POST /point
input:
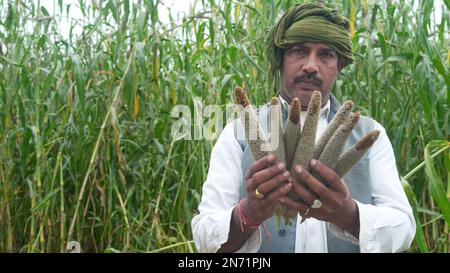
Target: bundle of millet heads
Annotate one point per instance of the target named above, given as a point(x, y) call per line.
point(297, 146)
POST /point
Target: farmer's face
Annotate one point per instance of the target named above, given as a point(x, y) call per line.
point(308, 67)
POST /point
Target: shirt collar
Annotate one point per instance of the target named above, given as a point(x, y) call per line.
point(324, 111)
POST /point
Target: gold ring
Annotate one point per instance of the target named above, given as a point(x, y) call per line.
point(258, 194)
point(317, 204)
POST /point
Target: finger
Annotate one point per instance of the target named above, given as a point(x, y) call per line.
point(315, 185)
point(268, 186)
point(261, 164)
point(277, 194)
point(306, 195)
point(296, 205)
point(264, 175)
point(327, 174)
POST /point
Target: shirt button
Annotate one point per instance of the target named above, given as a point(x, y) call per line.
point(282, 232)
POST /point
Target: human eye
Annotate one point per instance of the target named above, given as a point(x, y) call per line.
point(328, 55)
point(297, 50)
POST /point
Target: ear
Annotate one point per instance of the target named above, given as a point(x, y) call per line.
point(340, 65)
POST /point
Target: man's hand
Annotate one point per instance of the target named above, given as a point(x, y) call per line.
point(265, 175)
point(338, 207)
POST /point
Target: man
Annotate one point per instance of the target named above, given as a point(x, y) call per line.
point(365, 211)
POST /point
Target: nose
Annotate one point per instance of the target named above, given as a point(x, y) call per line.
point(311, 66)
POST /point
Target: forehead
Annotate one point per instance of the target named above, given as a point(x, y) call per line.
point(318, 46)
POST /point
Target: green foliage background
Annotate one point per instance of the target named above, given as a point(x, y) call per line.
point(86, 152)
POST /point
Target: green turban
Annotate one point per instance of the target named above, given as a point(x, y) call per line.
point(308, 22)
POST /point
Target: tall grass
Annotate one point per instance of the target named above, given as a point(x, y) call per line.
point(85, 147)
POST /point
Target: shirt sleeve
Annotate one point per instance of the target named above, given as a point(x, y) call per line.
point(386, 225)
point(220, 193)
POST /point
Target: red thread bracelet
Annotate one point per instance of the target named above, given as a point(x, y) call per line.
point(245, 221)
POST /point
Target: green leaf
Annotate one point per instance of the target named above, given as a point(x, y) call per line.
point(126, 8)
point(44, 200)
point(80, 81)
point(44, 11)
point(436, 186)
point(233, 55)
point(81, 5)
point(441, 69)
point(396, 58)
point(112, 7)
point(212, 34)
point(447, 3)
point(141, 21)
point(420, 237)
point(382, 41)
point(111, 250)
point(9, 16)
point(225, 80)
point(374, 16)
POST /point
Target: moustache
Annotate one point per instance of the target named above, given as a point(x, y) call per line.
point(310, 78)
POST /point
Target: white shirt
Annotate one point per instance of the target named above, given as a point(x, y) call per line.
point(386, 225)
